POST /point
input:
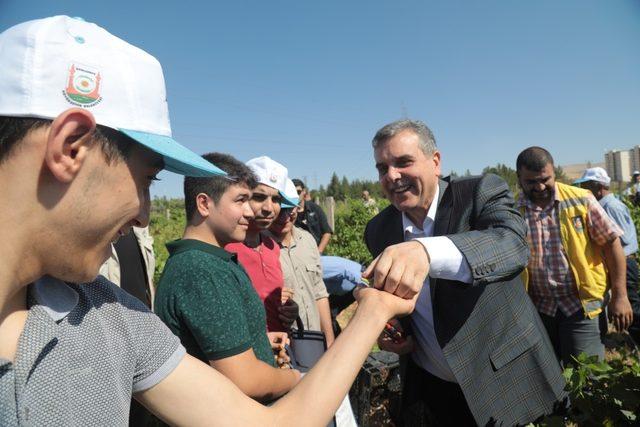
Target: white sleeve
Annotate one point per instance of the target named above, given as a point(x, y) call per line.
point(447, 262)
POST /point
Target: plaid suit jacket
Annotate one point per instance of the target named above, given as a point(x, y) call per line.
point(490, 332)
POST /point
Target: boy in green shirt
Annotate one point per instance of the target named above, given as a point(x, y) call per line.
point(206, 297)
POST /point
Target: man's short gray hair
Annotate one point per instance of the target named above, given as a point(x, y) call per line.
point(427, 140)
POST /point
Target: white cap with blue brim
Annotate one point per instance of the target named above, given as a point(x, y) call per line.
point(290, 195)
point(275, 175)
point(50, 65)
point(596, 174)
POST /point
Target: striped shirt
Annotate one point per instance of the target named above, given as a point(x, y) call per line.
point(551, 283)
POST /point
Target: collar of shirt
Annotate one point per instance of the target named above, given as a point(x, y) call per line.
point(607, 199)
point(182, 245)
point(411, 230)
point(55, 296)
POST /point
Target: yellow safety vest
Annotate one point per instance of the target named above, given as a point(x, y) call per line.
point(585, 257)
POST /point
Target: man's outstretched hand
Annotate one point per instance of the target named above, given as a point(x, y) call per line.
point(400, 270)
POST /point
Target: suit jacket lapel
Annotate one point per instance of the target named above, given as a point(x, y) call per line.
point(445, 206)
point(396, 231)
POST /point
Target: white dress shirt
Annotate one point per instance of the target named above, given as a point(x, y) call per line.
point(447, 262)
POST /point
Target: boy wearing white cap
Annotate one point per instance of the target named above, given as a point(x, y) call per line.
point(84, 130)
point(302, 269)
point(259, 254)
point(597, 181)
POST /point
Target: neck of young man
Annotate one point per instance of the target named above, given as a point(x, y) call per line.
point(203, 234)
point(20, 264)
point(252, 238)
point(287, 238)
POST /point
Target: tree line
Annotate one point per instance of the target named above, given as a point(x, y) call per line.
point(343, 189)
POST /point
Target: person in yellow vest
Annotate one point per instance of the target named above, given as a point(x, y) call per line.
point(576, 257)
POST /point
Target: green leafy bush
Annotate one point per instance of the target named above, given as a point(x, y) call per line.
point(350, 220)
point(166, 224)
point(602, 393)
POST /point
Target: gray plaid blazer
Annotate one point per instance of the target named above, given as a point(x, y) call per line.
point(490, 332)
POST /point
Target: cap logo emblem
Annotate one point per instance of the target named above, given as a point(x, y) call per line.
point(83, 86)
point(273, 178)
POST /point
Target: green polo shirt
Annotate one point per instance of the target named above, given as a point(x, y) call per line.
point(208, 301)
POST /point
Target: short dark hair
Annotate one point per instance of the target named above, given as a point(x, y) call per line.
point(214, 187)
point(115, 145)
point(298, 183)
point(533, 159)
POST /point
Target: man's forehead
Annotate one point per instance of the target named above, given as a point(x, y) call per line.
point(546, 172)
point(265, 189)
point(239, 188)
point(402, 145)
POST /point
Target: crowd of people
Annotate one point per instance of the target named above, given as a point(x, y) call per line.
point(484, 297)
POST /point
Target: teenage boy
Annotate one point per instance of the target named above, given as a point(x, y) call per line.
point(74, 179)
point(300, 261)
point(206, 297)
point(259, 254)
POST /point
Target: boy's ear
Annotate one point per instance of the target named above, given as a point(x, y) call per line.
point(204, 203)
point(68, 142)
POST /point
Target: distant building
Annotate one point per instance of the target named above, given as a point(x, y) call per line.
point(635, 158)
point(618, 164)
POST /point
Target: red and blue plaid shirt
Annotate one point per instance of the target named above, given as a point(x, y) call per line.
point(552, 286)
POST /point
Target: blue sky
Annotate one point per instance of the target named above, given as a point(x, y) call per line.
point(309, 83)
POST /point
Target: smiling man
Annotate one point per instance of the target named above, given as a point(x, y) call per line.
point(259, 254)
point(576, 256)
point(84, 129)
point(205, 295)
point(477, 351)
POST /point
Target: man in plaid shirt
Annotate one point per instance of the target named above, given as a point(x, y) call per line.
point(575, 254)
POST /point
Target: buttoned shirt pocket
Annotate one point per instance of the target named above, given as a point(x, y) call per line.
point(314, 270)
point(318, 288)
point(515, 346)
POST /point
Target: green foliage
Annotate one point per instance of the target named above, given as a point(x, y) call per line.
point(343, 189)
point(166, 224)
point(351, 217)
point(506, 173)
point(602, 393)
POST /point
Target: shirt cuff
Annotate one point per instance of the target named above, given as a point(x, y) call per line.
point(447, 262)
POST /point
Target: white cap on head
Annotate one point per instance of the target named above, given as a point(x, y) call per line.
point(596, 174)
point(50, 65)
point(290, 195)
point(269, 172)
point(273, 174)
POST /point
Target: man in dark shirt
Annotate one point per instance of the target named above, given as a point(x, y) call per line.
point(206, 297)
point(311, 217)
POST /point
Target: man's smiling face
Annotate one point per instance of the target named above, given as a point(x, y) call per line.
point(408, 176)
point(109, 199)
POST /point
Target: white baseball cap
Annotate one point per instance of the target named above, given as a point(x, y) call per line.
point(596, 174)
point(273, 174)
point(290, 196)
point(50, 65)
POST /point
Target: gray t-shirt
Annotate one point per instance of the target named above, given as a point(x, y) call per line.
point(84, 350)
